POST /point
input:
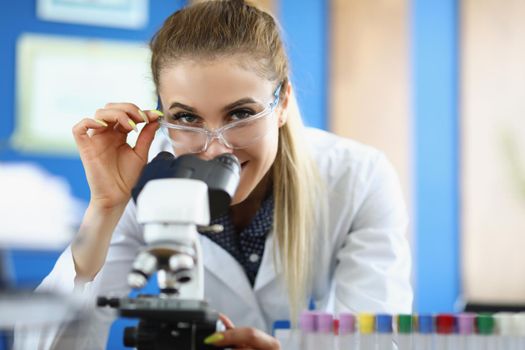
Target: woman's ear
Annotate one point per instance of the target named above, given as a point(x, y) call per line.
point(283, 110)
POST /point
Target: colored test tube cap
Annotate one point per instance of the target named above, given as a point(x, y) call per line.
point(384, 323)
point(324, 322)
point(504, 323)
point(307, 322)
point(445, 324)
point(425, 323)
point(404, 323)
point(485, 324)
point(466, 323)
point(519, 324)
point(366, 323)
point(346, 323)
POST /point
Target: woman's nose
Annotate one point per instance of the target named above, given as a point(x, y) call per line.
point(215, 148)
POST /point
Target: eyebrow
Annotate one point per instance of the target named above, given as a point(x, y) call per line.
point(240, 102)
point(182, 106)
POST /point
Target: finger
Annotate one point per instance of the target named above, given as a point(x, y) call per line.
point(81, 129)
point(226, 321)
point(121, 120)
point(145, 139)
point(133, 110)
point(154, 114)
point(247, 337)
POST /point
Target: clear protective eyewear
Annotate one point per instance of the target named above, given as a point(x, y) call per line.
point(235, 135)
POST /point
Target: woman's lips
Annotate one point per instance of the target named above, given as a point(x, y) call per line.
point(243, 164)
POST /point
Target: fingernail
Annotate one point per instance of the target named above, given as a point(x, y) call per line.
point(157, 112)
point(101, 122)
point(215, 337)
point(144, 116)
point(133, 125)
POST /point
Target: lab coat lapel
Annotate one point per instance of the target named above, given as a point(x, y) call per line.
point(267, 271)
point(224, 266)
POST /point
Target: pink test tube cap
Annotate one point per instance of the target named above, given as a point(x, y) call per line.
point(346, 324)
point(307, 322)
point(325, 322)
point(466, 323)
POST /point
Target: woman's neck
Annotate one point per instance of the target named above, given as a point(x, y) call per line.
point(243, 213)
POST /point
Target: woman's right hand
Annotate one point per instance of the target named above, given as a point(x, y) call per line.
point(245, 338)
point(113, 167)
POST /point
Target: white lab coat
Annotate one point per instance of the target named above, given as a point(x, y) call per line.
point(362, 258)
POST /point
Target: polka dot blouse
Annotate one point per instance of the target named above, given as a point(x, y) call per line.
point(247, 247)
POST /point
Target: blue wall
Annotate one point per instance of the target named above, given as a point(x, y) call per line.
point(307, 40)
point(435, 146)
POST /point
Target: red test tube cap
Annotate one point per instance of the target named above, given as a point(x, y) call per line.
point(445, 324)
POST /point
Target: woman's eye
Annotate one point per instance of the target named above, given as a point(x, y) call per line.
point(185, 118)
point(241, 114)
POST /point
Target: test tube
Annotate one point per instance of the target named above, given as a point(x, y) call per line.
point(289, 337)
point(466, 332)
point(504, 331)
point(367, 339)
point(404, 332)
point(384, 332)
point(519, 329)
point(424, 338)
point(324, 337)
point(307, 325)
point(445, 328)
point(485, 332)
point(348, 339)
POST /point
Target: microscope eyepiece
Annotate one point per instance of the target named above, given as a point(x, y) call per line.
point(229, 160)
point(221, 174)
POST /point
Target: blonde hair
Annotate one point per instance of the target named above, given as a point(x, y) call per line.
point(213, 29)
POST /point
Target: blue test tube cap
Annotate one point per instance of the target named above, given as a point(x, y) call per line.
point(383, 323)
point(282, 324)
point(425, 324)
point(311, 304)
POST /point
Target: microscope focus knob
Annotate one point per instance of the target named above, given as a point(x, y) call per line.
point(111, 302)
point(181, 265)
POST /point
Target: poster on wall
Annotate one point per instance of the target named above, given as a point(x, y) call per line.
point(61, 80)
point(130, 14)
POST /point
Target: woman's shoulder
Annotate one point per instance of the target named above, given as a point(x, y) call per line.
point(325, 140)
point(341, 156)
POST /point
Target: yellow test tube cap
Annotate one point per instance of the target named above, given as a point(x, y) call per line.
point(366, 323)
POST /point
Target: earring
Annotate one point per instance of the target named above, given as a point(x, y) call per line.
point(281, 122)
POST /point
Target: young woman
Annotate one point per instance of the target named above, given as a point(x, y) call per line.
point(315, 215)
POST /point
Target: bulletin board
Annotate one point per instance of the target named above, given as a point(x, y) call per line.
point(61, 80)
point(130, 14)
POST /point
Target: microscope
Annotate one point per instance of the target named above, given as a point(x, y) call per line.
point(175, 199)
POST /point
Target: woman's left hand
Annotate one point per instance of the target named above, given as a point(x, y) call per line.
point(246, 338)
